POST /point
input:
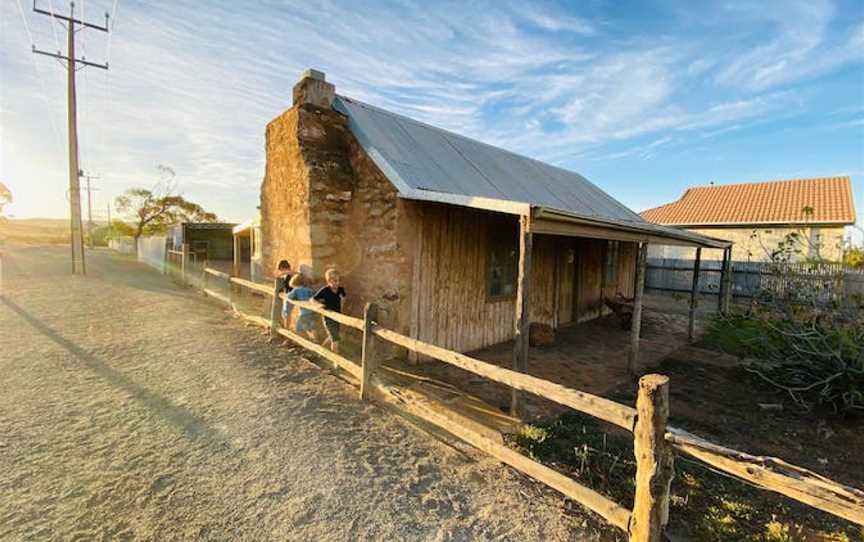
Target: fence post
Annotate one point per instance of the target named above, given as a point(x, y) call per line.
point(522, 318)
point(727, 290)
point(184, 258)
point(165, 254)
point(368, 359)
point(276, 306)
point(636, 322)
point(721, 291)
point(204, 278)
point(654, 460)
point(694, 294)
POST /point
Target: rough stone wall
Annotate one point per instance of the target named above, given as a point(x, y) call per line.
point(375, 252)
point(758, 248)
point(325, 204)
point(284, 196)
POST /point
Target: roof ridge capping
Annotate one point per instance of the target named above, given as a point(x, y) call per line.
point(770, 181)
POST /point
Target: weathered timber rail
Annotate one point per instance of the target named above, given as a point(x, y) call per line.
point(654, 440)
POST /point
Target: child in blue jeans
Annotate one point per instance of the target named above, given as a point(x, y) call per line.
point(305, 325)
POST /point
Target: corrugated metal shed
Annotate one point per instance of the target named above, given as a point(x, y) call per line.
point(428, 163)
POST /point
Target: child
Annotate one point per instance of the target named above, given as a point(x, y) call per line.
point(283, 271)
point(300, 292)
point(331, 297)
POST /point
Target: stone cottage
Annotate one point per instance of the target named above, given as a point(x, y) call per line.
point(429, 224)
point(759, 216)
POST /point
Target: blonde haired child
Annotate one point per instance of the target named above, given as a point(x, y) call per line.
point(331, 297)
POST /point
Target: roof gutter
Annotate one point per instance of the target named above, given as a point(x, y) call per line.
point(692, 238)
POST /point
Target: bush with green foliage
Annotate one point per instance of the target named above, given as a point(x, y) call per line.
point(854, 257)
point(115, 230)
point(803, 332)
point(817, 361)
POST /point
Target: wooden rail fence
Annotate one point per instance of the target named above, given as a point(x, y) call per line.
point(654, 440)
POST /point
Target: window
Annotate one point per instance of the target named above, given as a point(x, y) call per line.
point(501, 262)
point(613, 252)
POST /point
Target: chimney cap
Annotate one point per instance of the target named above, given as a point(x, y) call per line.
point(313, 74)
point(313, 89)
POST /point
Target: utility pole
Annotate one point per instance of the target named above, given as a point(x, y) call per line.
point(90, 207)
point(78, 267)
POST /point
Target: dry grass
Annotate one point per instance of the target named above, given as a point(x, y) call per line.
point(35, 231)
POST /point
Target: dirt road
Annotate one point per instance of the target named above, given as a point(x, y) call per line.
point(134, 409)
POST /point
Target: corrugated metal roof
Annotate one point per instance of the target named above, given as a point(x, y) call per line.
point(429, 158)
point(425, 162)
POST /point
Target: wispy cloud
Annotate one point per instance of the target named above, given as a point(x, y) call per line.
point(194, 88)
point(802, 44)
point(557, 22)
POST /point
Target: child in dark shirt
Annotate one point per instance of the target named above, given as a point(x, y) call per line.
point(283, 271)
point(331, 297)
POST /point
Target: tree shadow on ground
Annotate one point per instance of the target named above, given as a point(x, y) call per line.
point(191, 425)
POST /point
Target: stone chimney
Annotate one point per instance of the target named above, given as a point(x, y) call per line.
point(313, 89)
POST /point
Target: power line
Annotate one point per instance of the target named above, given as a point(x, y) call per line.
point(106, 86)
point(40, 77)
point(72, 63)
point(54, 24)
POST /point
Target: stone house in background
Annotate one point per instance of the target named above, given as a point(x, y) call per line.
point(759, 216)
point(428, 224)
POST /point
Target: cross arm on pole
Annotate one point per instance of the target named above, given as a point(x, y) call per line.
point(64, 57)
point(72, 20)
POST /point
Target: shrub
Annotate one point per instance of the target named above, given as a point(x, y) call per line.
point(815, 358)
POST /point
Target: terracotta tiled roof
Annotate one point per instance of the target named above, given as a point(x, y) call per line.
point(773, 202)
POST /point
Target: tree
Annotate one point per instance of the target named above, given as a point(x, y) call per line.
point(5, 198)
point(854, 257)
point(151, 211)
point(116, 230)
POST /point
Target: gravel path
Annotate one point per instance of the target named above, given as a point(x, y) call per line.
point(134, 409)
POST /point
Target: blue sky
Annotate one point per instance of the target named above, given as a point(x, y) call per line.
point(643, 98)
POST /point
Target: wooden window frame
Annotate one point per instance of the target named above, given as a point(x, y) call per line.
point(612, 263)
point(496, 237)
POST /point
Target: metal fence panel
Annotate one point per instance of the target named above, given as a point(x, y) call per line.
point(151, 250)
point(123, 245)
point(749, 278)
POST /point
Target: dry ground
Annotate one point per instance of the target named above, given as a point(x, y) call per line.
point(133, 409)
